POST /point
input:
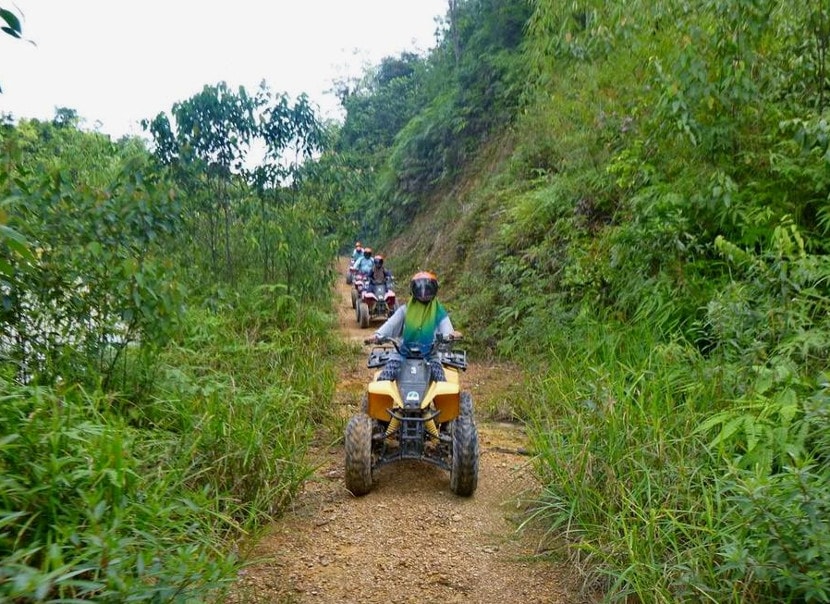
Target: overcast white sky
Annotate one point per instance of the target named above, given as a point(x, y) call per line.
point(118, 61)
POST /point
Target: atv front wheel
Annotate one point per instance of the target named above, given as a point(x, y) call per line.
point(348, 278)
point(354, 298)
point(464, 468)
point(358, 440)
point(363, 314)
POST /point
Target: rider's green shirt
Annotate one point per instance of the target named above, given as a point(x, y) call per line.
point(417, 323)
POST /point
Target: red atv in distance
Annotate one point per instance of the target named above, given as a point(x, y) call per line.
point(350, 274)
point(358, 279)
point(376, 302)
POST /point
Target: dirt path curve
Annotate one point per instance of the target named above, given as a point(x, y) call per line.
point(410, 539)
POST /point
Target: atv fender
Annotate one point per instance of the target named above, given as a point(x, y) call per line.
point(446, 397)
point(382, 396)
point(451, 374)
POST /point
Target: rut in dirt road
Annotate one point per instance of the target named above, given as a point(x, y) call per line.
point(410, 539)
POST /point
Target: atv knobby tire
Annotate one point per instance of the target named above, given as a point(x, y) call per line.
point(363, 315)
point(464, 468)
point(358, 440)
point(354, 298)
point(348, 278)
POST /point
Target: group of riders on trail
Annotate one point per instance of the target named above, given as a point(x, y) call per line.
point(416, 323)
point(369, 266)
point(415, 407)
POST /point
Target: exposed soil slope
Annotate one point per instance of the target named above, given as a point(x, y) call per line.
point(410, 539)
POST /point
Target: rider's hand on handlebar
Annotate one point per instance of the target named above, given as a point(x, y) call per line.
point(456, 335)
point(372, 340)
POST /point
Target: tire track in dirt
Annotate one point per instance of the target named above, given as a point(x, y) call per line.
point(410, 539)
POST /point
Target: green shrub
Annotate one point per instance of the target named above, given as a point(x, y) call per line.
point(92, 509)
point(780, 540)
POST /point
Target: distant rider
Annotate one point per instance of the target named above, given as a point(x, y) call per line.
point(357, 252)
point(365, 264)
point(380, 275)
point(417, 323)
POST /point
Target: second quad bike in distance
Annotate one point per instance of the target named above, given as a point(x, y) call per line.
point(414, 418)
point(350, 273)
point(357, 286)
point(376, 301)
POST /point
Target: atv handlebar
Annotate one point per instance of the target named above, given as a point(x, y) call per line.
point(439, 338)
point(442, 350)
point(382, 340)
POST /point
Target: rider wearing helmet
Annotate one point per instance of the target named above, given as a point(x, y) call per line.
point(380, 274)
point(357, 252)
point(365, 264)
point(417, 323)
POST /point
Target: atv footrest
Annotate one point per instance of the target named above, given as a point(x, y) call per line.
point(395, 455)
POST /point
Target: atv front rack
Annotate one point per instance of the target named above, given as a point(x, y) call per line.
point(457, 359)
point(379, 357)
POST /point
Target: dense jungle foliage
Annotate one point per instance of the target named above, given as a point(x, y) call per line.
point(166, 349)
point(629, 199)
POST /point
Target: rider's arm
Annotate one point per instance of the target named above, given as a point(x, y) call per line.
point(393, 327)
point(445, 327)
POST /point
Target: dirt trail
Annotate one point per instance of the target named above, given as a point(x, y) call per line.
point(410, 539)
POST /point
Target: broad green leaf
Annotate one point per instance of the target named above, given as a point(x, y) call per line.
point(13, 22)
point(12, 32)
point(788, 405)
point(95, 248)
point(751, 430)
point(20, 249)
point(713, 421)
point(728, 430)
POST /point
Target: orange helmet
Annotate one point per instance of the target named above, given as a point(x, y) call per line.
point(378, 260)
point(423, 286)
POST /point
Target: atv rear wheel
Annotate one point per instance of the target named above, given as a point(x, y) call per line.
point(358, 441)
point(464, 468)
point(363, 314)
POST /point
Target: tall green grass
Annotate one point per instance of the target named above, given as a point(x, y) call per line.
point(151, 499)
point(91, 509)
point(653, 505)
point(244, 394)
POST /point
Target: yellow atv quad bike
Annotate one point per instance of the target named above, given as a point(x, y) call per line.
point(414, 418)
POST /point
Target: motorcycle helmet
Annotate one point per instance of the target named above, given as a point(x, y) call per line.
point(423, 286)
point(367, 252)
point(378, 260)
